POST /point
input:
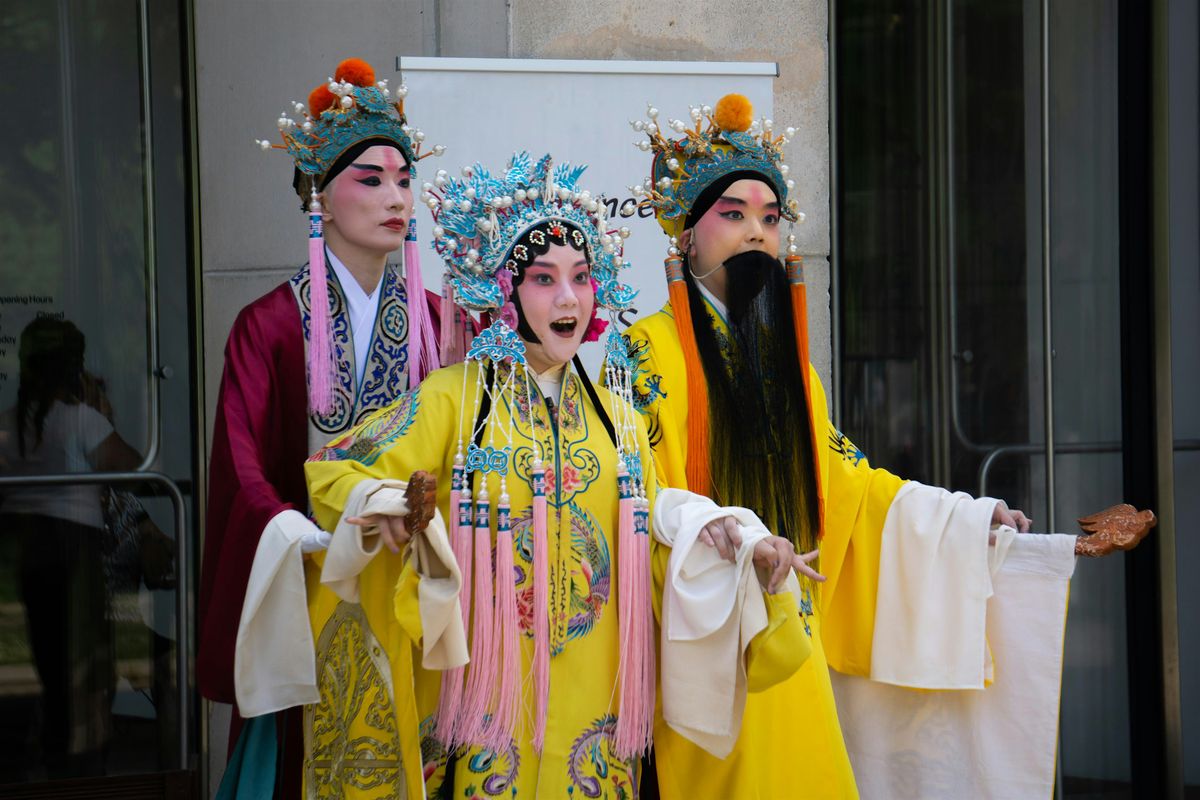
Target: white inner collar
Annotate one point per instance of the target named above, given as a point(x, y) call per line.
point(361, 308)
point(712, 298)
point(550, 382)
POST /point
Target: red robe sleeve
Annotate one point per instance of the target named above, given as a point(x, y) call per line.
point(260, 442)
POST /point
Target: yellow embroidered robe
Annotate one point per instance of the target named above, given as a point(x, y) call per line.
point(790, 743)
point(576, 760)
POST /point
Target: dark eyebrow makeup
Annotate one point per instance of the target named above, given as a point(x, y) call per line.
point(737, 201)
point(550, 265)
point(376, 167)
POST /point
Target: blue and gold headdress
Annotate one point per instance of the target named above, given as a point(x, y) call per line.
point(349, 109)
point(481, 220)
point(479, 217)
point(719, 142)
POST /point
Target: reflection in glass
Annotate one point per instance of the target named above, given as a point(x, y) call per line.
point(87, 571)
point(940, 269)
point(78, 553)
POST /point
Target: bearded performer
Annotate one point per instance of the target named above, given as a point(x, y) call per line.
point(346, 335)
point(922, 588)
point(547, 483)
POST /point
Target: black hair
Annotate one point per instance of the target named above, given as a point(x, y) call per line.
point(533, 243)
point(51, 363)
point(303, 182)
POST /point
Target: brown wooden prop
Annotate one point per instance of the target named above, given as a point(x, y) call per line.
point(421, 497)
point(1118, 528)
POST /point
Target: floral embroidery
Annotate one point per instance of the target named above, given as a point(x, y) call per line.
point(385, 374)
point(590, 581)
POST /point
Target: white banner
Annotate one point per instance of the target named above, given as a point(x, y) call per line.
point(483, 109)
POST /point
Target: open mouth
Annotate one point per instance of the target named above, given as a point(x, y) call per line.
point(564, 327)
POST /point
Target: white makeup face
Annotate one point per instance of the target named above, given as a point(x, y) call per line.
point(746, 217)
point(369, 204)
point(557, 300)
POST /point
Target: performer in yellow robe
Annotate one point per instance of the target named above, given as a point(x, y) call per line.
point(759, 437)
point(801, 710)
point(558, 697)
point(552, 465)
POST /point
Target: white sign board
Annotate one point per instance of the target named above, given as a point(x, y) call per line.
point(484, 109)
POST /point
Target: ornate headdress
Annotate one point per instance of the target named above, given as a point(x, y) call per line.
point(346, 111)
point(720, 142)
point(480, 221)
point(479, 217)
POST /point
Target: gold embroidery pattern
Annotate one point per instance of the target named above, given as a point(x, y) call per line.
point(352, 746)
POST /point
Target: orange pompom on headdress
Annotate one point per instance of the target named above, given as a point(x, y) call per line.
point(733, 113)
point(356, 71)
point(321, 100)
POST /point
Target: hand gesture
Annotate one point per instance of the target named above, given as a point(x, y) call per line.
point(774, 556)
point(1015, 519)
point(393, 530)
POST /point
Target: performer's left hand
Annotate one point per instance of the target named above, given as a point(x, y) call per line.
point(774, 556)
point(395, 534)
point(1015, 519)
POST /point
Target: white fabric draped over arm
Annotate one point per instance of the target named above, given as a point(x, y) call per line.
point(274, 666)
point(444, 638)
point(711, 609)
point(275, 656)
point(935, 578)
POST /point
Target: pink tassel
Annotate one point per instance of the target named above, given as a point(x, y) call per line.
point(320, 335)
point(422, 342)
point(502, 727)
point(541, 608)
point(481, 677)
point(452, 341)
point(450, 697)
point(635, 717)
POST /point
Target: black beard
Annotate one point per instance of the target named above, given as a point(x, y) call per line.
point(760, 445)
point(745, 276)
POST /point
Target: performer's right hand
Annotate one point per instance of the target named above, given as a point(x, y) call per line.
point(392, 529)
point(724, 535)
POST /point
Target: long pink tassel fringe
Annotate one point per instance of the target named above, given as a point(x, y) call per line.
point(450, 697)
point(502, 726)
point(320, 336)
point(541, 609)
point(635, 718)
point(452, 343)
point(422, 340)
point(481, 677)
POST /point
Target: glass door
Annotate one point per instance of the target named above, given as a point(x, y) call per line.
point(982, 289)
point(97, 441)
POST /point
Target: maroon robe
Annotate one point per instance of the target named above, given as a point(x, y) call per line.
point(260, 443)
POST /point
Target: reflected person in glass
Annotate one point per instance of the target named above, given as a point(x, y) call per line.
point(62, 423)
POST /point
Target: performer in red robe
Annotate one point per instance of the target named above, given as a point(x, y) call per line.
point(354, 160)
